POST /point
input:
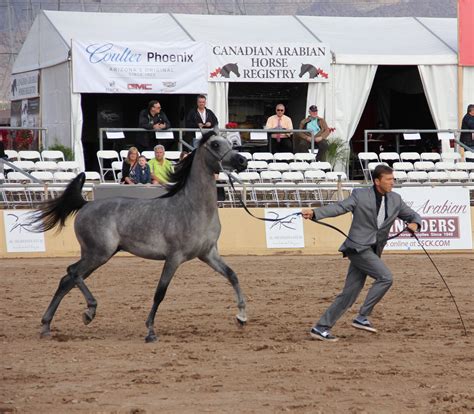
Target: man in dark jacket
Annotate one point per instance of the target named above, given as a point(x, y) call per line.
point(467, 138)
point(200, 117)
point(319, 127)
point(153, 119)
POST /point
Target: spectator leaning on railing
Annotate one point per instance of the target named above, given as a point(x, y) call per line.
point(153, 119)
point(280, 142)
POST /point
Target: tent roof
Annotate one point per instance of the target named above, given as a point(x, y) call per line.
point(354, 40)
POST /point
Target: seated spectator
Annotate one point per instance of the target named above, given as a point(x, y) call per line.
point(128, 167)
point(280, 142)
point(142, 171)
point(160, 167)
point(321, 131)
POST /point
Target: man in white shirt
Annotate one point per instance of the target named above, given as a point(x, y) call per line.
point(280, 142)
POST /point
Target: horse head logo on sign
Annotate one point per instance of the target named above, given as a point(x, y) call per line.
point(226, 70)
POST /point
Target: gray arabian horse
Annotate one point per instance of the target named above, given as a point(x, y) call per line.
point(179, 226)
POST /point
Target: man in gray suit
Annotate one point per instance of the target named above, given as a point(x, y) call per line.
point(373, 212)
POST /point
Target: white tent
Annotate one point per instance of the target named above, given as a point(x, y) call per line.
point(358, 46)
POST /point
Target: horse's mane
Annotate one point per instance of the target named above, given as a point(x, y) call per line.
point(182, 169)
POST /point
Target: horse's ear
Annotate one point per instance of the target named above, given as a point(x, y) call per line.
point(216, 129)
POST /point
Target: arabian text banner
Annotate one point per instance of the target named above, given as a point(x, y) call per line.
point(265, 62)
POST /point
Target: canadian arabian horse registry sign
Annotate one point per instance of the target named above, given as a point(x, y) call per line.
point(139, 67)
point(446, 219)
point(265, 62)
point(18, 237)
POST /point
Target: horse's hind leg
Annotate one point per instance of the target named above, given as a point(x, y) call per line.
point(169, 269)
point(89, 314)
point(214, 260)
point(76, 273)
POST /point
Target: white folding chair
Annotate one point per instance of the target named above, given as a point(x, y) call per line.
point(364, 159)
point(43, 175)
point(17, 177)
point(424, 166)
point(299, 166)
point(24, 165)
point(320, 165)
point(263, 156)
point(417, 176)
point(471, 176)
point(46, 166)
point(29, 156)
point(451, 156)
point(438, 176)
point(107, 156)
point(93, 176)
point(400, 176)
point(293, 176)
point(270, 176)
point(468, 156)
point(148, 154)
point(278, 166)
point(64, 176)
point(257, 165)
point(123, 154)
point(68, 166)
point(403, 166)
point(410, 156)
point(445, 166)
point(247, 155)
point(284, 157)
point(12, 155)
point(461, 176)
point(304, 156)
point(389, 157)
point(249, 176)
point(172, 155)
point(52, 155)
point(312, 176)
point(430, 156)
point(336, 176)
point(465, 166)
point(117, 168)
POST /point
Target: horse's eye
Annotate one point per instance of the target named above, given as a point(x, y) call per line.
point(215, 145)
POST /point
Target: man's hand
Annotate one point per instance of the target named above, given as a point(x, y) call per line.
point(307, 213)
point(207, 124)
point(412, 227)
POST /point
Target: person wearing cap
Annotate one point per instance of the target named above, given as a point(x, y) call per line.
point(281, 142)
point(319, 127)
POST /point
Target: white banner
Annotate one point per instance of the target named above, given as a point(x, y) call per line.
point(446, 216)
point(264, 62)
point(139, 67)
point(17, 236)
point(284, 234)
point(24, 85)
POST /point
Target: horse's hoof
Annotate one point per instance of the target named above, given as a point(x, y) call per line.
point(87, 317)
point(241, 322)
point(45, 334)
point(151, 338)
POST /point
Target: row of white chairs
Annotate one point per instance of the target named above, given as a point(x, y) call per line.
point(46, 155)
point(279, 156)
point(414, 156)
point(426, 166)
point(46, 165)
point(48, 176)
point(291, 166)
point(433, 176)
point(270, 176)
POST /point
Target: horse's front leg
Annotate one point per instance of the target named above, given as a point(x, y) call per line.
point(214, 260)
point(166, 275)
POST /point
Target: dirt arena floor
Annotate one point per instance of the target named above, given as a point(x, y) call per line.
point(419, 362)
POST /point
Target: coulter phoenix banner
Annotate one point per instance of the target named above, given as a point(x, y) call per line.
point(265, 62)
point(446, 219)
point(144, 67)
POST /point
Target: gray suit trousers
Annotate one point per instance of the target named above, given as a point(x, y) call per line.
point(363, 264)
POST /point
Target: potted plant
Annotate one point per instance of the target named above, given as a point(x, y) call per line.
point(337, 154)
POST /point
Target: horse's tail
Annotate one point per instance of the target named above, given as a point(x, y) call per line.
point(55, 212)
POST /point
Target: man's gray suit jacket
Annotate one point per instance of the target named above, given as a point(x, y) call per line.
point(364, 231)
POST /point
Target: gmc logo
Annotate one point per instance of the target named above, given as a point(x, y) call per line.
point(140, 86)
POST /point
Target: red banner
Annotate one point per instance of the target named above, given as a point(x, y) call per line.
point(466, 32)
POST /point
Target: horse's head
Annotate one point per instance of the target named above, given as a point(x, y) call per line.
point(219, 153)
